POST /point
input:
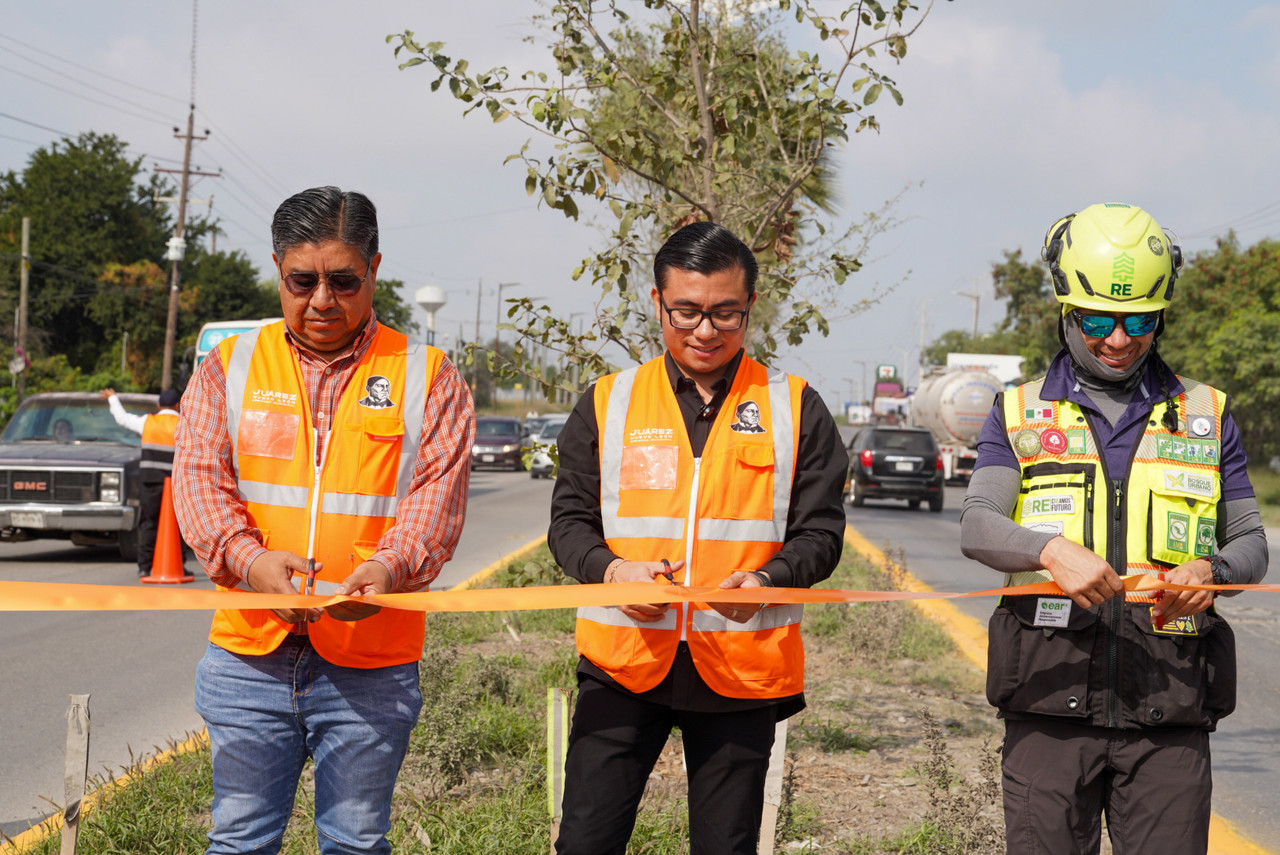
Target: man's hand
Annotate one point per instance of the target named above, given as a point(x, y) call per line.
point(1176, 604)
point(371, 577)
point(272, 573)
point(1081, 574)
point(739, 612)
point(645, 571)
point(106, 393)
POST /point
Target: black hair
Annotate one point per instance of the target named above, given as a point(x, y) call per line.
point(738, 410)
point(373, 378)
point(705, 248)
point(323, 214)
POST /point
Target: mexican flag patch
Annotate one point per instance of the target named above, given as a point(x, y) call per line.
point(1033, 413)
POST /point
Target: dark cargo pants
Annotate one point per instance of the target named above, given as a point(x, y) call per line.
point(1060, 777)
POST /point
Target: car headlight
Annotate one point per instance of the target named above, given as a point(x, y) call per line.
point(109, 479)
point(110, 495)
point(507, 449)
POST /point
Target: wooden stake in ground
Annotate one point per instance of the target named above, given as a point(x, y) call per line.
point(557, 750)
point(75, 770)
point(773, 788)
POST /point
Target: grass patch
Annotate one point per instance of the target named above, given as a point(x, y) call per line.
point(473, 781)
point(1266, 486)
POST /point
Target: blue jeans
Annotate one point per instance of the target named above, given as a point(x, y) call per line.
point(267, 714)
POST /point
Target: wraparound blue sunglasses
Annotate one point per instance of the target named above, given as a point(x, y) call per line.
point(1101, 326)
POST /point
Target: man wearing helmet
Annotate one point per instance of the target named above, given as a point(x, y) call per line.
point(1111, 465)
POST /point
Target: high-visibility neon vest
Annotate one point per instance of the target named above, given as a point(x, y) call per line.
point(723, 512)
point(333, 508)
point(157, 444)
point(1160, 514)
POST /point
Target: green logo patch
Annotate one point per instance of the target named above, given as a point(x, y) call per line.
point(1187, 449)
point(1178, 532)
point(1076, 441)
point(1206, 534)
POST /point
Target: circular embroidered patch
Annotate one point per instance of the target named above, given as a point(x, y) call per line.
point(1200, 426)
point(1026, 443)
point(1053, 440)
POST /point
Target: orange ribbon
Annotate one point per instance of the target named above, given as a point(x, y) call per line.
point(44, 596)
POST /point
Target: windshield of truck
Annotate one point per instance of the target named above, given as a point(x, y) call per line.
point(70, 420)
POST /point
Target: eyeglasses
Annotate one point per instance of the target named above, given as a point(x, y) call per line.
point(725, 320)
point(340, 284)
point(1101, 326)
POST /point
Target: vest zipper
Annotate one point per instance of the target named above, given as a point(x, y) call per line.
point(691, 533)
point(1088, 510)
point(1115, 605)
point(322, 447)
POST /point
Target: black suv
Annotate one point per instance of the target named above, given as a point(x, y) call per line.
point(895, 463)
point(68, 471)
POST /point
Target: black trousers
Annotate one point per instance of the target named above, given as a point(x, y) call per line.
point(150, 500)
point(1060, 777)
point(613, 745)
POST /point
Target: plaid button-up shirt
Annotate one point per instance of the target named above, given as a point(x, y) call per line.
point(428, 520)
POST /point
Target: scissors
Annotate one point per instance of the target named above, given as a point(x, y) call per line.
point(309, 584)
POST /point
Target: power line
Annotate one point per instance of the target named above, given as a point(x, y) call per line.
point(168, 122)
point(93, 71)
point(243, 156)
point(37, 125)
point(80, 82)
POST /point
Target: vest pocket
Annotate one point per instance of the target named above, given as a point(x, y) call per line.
point(380, 440)
point(750, 481)
point(1183, 679)
point(1037, 669)
point(1182, 517)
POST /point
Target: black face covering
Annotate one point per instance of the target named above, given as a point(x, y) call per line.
point(1091, 370)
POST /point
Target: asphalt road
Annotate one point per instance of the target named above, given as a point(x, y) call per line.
point(1245, 765)
point(139, 667)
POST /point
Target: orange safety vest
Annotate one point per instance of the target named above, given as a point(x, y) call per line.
point(157, 443)
point(333, 506)
point(722, 512)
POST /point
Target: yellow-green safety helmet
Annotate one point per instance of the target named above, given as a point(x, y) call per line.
point(1112, 258)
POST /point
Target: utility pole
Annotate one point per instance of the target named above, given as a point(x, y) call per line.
point(24, 278)
point(975, 296)
point(178, 246)
point(475, 364)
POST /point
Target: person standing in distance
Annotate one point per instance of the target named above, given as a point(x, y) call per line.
point(284, 480)
point(157, 430)
point(654, 486)
point(1111, 465)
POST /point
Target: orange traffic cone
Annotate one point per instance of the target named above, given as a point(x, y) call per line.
point(166, 562)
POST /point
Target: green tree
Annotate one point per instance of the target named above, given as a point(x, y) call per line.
point(1030, 324)
point(392, 310)
point(90, 207)
point(692, 111)
point(1223, 328)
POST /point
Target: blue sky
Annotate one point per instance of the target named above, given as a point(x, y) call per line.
point(1016, 113)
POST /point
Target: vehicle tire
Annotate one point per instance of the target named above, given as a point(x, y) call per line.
point(935, 503)
point(913, 504)
point(858, 498)
point(127, 542)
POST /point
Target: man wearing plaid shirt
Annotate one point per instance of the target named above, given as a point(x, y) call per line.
point(282, 471)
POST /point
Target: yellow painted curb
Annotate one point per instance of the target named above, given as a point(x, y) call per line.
point(36, 833)
point(500, 564)
point(970, 637)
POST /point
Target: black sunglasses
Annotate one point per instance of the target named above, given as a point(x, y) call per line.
point(340, 284)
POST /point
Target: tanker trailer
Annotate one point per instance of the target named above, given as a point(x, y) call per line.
point(953, 405)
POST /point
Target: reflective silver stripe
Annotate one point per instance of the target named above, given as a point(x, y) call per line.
point(167, 466)
point(761, 531)
point(237, 378)
point(667, 528)
point(416, 383)
point(273, 494)
point(613, 616)
point(152, 446)
point(354, 505)
point(709, 620)
point(611, 442)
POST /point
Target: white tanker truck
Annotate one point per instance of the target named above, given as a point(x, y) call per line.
point(953, 404)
